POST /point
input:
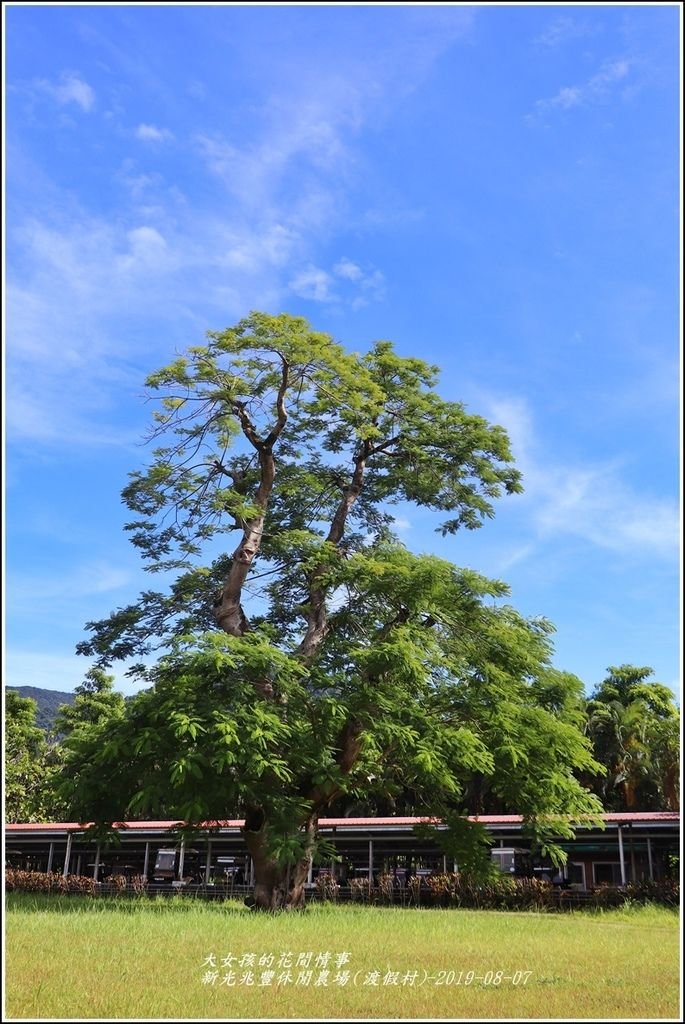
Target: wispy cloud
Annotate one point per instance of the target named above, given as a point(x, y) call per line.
point(596, 89)
point(312, 283)
point(354, 287)
point(562, 30)
point(70, 88)
point(100, 290)
point(85, 580)
point(151, 133)
point(592, 501)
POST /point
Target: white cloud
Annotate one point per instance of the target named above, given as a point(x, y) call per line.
point(592, 501)
point(147, 248)
point(347, 269)
point(595, 90)
point(29, 591)
point(70, 89)
point(312, 283)
point(562, 30)
point(150, 133)
point(113, 295)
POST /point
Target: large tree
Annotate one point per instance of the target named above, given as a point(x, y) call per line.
point(634, 725)
point(320, 660)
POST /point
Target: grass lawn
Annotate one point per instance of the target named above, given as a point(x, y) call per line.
point(75, 957)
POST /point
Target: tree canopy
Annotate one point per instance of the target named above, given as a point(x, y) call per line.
point(31, 763)
point(634, 725)
point(319, 661)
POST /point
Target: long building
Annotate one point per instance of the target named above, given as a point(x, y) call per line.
point(631, 846)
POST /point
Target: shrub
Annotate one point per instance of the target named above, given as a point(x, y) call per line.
point(326, 886)
point(360, 889)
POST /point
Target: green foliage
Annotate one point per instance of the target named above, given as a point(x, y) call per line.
point(634, 724)
point(364, 672)
point(31, 764)
point(95, 702)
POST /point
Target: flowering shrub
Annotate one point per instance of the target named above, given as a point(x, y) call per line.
point(41, 881)
point(360, 889)
point(326, 886)
point(386, 888)
point(117, 882)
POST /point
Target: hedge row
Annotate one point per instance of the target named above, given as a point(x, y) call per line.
point(54, 881)
point(506, 893)
point(443, 890)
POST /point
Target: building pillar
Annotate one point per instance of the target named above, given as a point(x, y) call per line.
point(96, 866)
point(631, 844)
point(51, 853)
point(371, 862)
point(456, 867)
point(208, 865)
point(79, 860)
point(444, 863)
point(67, 856)
point(621, 856)
point(146, 863)
point(649, 858)
point(181, 860)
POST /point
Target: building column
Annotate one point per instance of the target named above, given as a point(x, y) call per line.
point(371, 862)
point(50, 856)
point(649, 858)
point(79, 860)
point(444, 863)
point(621, 856)
point(67, 856)
point(181, 859)
point(208, 865)
point(147, 860)
point(96, 866)
point(455, 867)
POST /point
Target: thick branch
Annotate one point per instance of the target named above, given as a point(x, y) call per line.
point(317, 624)
point(228, 610)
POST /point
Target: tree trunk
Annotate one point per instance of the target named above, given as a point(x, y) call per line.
point(278, 886)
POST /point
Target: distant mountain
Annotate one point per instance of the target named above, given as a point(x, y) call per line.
point(48, 702)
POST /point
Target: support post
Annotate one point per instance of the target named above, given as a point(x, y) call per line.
point(146, 863)
point(96, 866)
point(621, 856)
point(67, 856)
point(371, 862)
point(51, 854)
point(208, 865)
point(649, 858)
point(181, 860)
point(444, 863)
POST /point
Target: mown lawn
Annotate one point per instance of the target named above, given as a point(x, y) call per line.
point(75, 957)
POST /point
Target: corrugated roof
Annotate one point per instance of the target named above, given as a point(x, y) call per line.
point(485, 819)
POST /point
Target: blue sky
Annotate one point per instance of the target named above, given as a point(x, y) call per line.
point(493, 188)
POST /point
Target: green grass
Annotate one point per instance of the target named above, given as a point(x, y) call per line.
point(74, 957)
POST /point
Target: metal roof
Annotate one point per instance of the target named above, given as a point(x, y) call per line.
point(621, 818)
